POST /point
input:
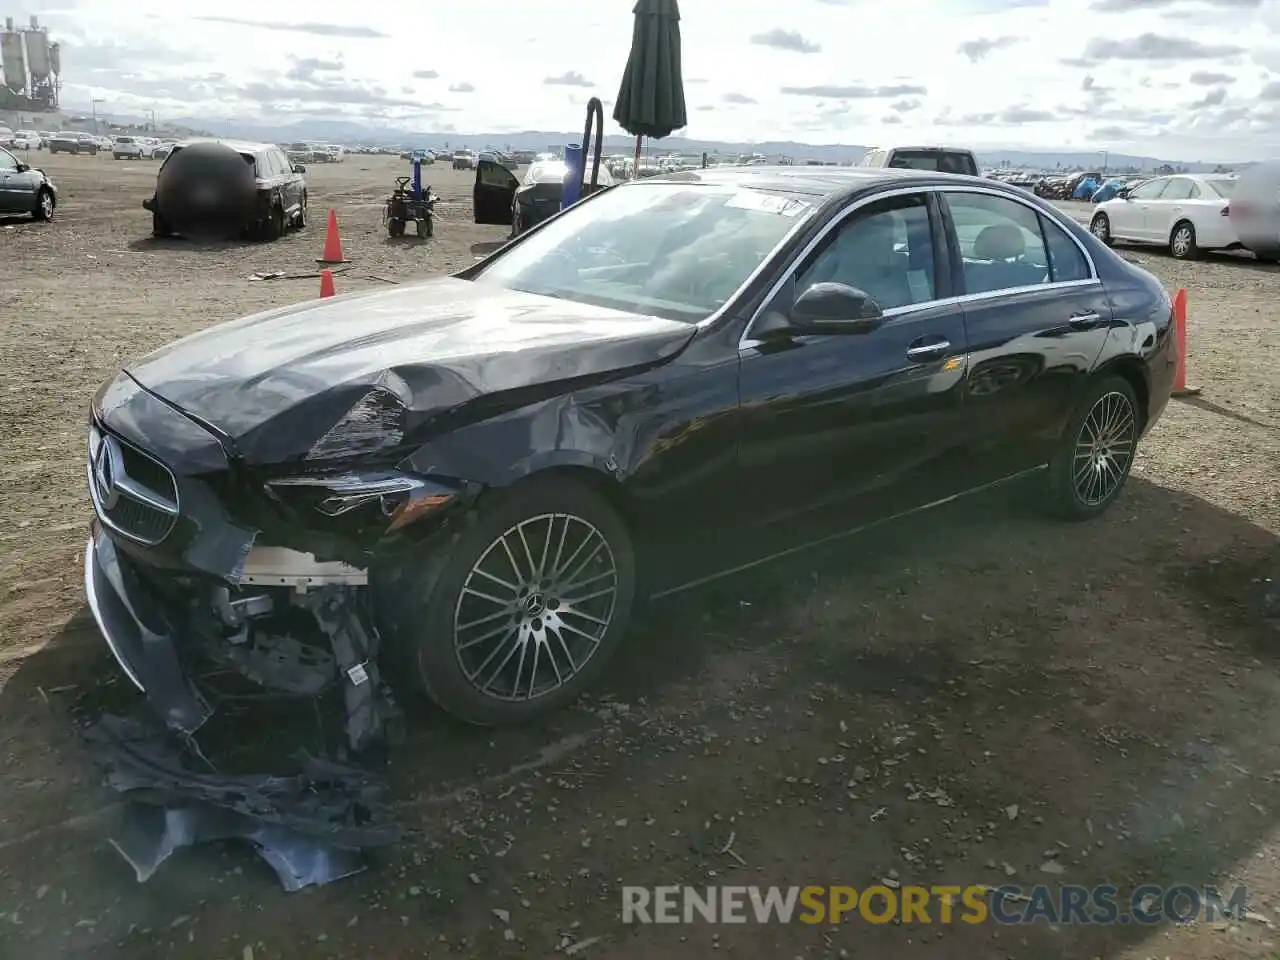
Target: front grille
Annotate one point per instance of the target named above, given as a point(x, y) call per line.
point(133, 493)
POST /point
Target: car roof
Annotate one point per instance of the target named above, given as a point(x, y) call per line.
point(825, 182)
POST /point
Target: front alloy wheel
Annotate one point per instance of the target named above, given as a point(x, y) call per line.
point(520, 614)
point(535, 607)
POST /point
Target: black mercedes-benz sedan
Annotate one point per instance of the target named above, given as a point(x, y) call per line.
point(673, 379)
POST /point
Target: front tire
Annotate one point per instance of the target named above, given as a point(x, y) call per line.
point(1095, 453)
point(44, 205)
point(1100, 227)
point(1182, 241)
point(528, 605)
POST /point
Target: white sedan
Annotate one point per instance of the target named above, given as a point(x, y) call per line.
point(1188, 213)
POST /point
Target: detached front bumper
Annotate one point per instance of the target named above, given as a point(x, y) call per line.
point(139, 633)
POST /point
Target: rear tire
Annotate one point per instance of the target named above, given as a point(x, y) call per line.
point(1093, 457)
point(272, 228)
point(487, 604)
point(1182, 241)
point(395, 227)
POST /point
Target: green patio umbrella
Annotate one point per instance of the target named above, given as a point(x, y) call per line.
point(651, 98)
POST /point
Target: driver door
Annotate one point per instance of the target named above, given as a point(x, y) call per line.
point(860, 425)
point(494, 194)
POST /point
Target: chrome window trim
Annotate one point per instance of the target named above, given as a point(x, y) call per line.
point(1057, 218)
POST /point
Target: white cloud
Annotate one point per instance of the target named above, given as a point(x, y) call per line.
point(980, 72)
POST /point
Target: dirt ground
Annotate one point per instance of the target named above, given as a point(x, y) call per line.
point(870, 711)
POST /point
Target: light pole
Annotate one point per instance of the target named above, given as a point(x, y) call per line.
point(93, 107)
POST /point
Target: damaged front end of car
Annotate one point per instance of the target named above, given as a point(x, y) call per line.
point(203, 569)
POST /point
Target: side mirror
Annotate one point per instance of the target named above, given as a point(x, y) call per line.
point(1123, 193)
point(299, 168)
point(22, 167)
point(833, 308)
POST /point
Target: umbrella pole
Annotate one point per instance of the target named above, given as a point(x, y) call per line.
point(635, 171)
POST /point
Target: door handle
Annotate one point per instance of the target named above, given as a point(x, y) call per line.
point(1084, 321)
point(928, 351)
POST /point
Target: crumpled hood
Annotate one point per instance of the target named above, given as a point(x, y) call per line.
point(275, 381)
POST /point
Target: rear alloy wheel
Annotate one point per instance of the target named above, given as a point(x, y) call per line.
point(1101, 228)
point(1095, 453)
point(44, 204)
point(1182, 242)
point(529, 605)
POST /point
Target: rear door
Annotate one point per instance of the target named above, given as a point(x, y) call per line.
point(494, 194)
point(1036, 317)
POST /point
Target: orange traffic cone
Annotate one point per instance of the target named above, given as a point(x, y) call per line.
point(332, 242)
point(326, 284)
point(1180, 387)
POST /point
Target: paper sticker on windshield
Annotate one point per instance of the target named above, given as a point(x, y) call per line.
point(766, 203)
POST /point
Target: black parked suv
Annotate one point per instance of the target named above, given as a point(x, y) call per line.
point(281, 191)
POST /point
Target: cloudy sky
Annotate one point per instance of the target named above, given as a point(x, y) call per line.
point(1193, 79)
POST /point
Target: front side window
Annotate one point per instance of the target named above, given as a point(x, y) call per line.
point(673, 250)
point(8, 162)
point(1001, 244)
point(885, 250)
point(1151, 190)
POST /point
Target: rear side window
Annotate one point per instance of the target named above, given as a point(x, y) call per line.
point(1066, 262)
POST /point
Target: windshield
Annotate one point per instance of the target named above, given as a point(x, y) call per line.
point(1223, 188)
point(671, 250)
point(940, 161)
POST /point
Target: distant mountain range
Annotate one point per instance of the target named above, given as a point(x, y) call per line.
point(352, 133)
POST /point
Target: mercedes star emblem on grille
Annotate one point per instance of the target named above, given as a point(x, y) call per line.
point(106, 468)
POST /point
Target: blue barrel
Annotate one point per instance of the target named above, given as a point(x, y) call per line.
point(573, 156)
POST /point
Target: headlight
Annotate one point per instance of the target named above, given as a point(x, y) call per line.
point(400, 498)
point(374, 423)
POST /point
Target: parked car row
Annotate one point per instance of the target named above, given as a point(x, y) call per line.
point(307, 151)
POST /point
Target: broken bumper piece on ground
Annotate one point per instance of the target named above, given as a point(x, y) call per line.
point(312, 826)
